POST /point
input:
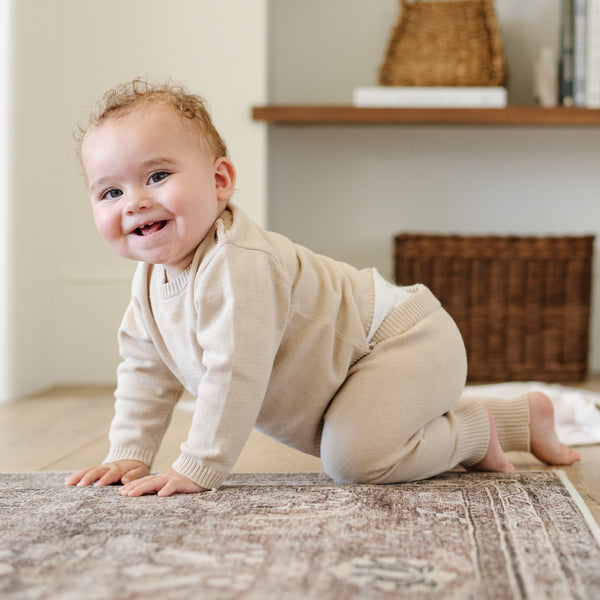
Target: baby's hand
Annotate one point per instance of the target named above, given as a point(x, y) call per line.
point(164, 484)
point(107, 473)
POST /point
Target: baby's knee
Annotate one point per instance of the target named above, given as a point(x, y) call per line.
point(352, 464)
point(379, 459)
point(344, 471)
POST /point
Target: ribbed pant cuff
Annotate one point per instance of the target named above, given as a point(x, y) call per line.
point(512, 422)
point(473, 434)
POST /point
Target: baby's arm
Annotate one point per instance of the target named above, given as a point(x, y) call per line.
point(124, 471)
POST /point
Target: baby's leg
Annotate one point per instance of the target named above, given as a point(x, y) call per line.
point(494, 459)
point(395, 419)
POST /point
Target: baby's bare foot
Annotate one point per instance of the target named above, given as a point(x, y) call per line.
point(494, 459)
point(545, 444)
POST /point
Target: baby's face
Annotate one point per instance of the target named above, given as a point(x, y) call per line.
point(155, 188)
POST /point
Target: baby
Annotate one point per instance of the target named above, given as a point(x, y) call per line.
point(328, 359)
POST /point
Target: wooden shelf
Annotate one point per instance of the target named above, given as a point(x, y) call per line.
point(511, 115)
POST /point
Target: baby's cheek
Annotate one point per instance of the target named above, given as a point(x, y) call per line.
point(108, 227)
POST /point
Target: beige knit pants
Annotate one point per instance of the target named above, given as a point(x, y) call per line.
point(399, 417)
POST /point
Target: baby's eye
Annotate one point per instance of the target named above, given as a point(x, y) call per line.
point(158, 176)
point(111, 194)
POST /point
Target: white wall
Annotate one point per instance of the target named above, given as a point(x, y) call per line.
point(30, 201)
point(65, 290)
point(5, 189)
point(345, 191)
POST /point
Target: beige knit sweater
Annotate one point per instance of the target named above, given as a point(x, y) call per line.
point(262, 331)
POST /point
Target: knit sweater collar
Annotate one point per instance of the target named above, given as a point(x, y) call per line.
point(170, 289)
point(174, 287)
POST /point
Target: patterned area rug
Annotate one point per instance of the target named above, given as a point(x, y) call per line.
point(461, 535)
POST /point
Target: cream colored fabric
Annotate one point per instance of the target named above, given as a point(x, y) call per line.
point(266, 333)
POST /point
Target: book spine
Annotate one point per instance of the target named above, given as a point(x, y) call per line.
point(566, 53)
point(579, 48)
point(592, 91)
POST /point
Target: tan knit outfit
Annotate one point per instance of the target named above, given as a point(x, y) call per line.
point(267, 334)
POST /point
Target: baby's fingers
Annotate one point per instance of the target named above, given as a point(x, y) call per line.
point(145, 485)
point(86, 476)
point(135, 473)
point(75, 478)
point(179, 485)
point(164, 484)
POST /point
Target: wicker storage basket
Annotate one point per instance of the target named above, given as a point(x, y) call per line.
point(522, 304)
point(450, 43)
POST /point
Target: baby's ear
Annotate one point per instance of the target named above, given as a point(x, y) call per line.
point(224, 178)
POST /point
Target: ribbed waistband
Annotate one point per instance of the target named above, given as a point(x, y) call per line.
point(420, 303)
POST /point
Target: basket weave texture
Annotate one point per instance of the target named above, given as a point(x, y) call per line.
point(522, 304)
point(450, 43)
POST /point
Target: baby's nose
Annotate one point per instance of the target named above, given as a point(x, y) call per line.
point(137, 202)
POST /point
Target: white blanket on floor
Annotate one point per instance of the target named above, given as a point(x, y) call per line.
point(577, 412)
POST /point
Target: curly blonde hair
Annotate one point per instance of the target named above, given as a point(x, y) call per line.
point(124, 98)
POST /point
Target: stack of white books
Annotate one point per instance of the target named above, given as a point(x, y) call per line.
point(429, 97)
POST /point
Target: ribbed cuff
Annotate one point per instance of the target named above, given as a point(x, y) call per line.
point(512, 422)
point(199, 474)
point(473, 434)
point(122, 453)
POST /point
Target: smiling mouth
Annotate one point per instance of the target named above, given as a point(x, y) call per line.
point(150, 228)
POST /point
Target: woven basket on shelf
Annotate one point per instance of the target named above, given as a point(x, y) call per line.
point(450, 43)
point(522, 304)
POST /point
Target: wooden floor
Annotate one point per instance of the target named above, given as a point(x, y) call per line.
point(66, 429)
